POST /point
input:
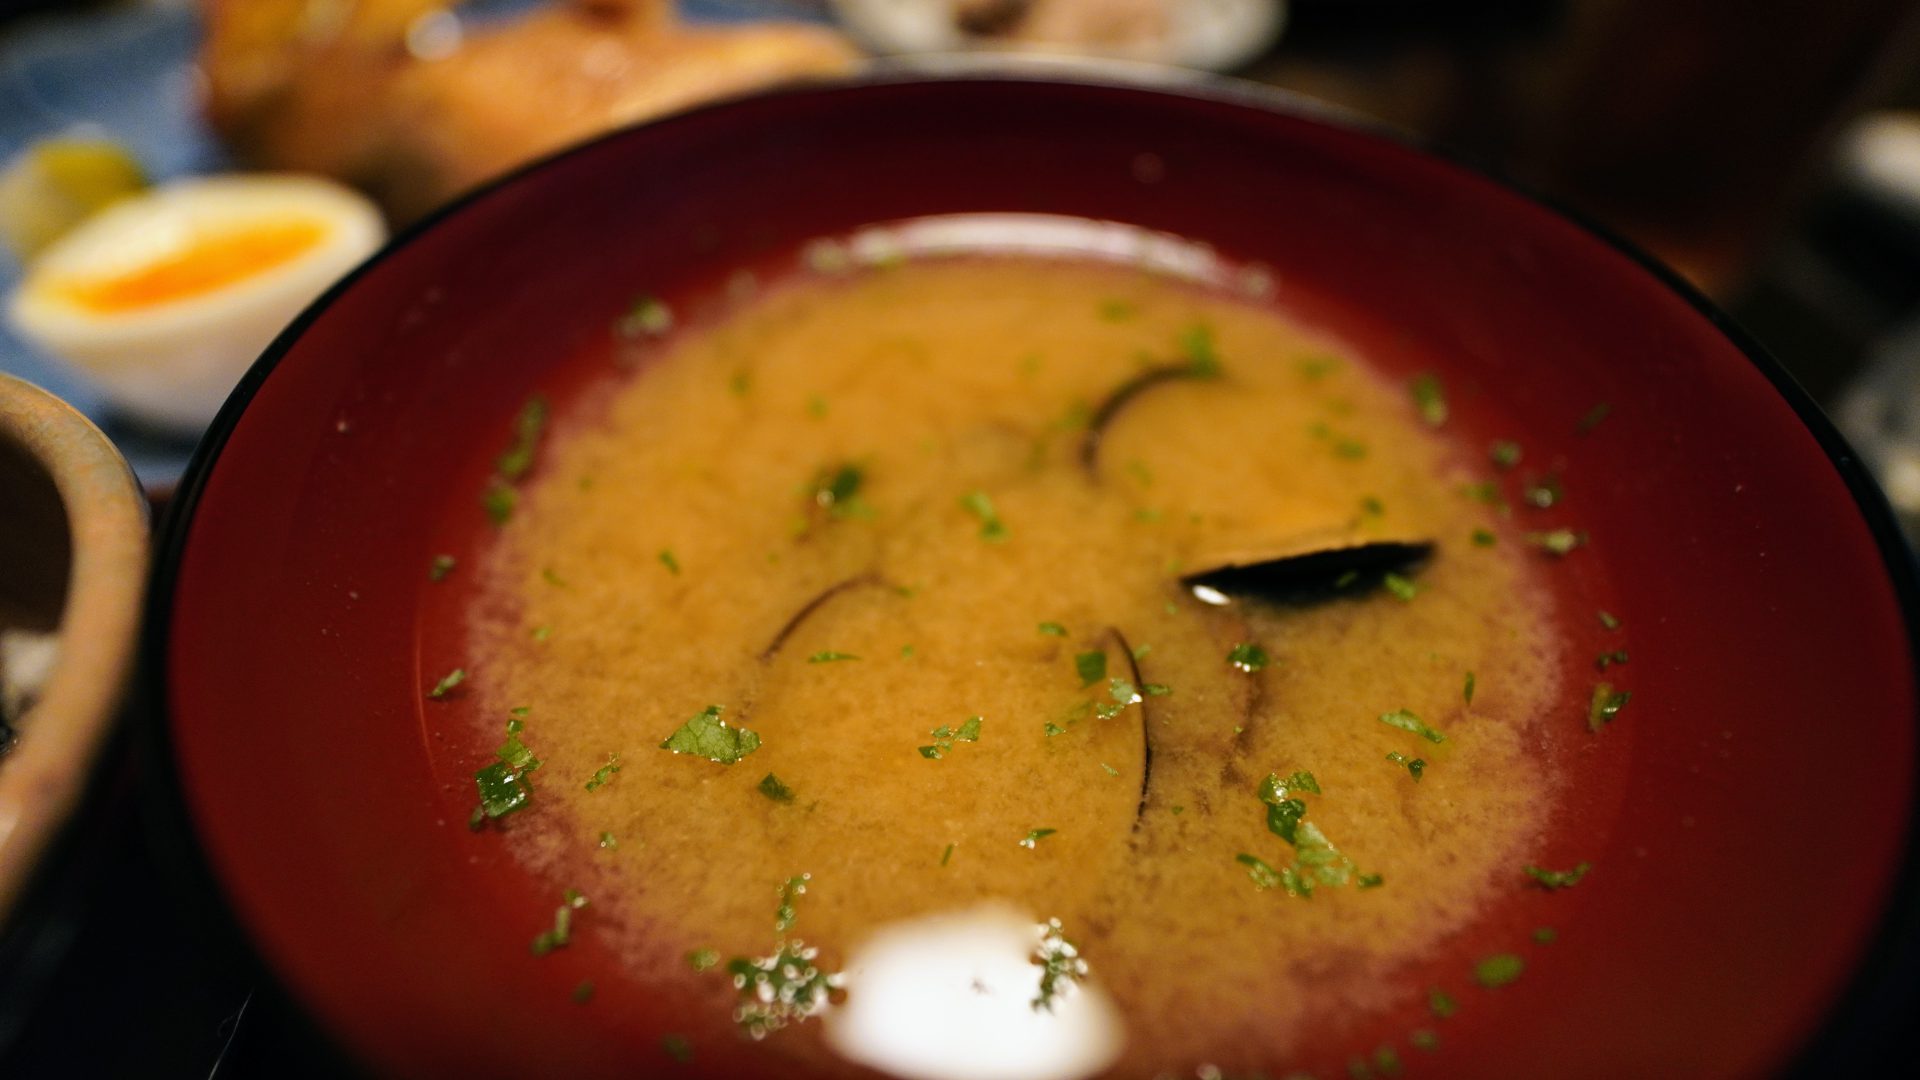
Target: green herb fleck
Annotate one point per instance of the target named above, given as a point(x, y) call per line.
point(739, 384)
point(440, 567)
point(1485, 492)
point(1498, 970)
point(1110, 770)
point(677, 1047)
point(1592, 418)
point(1053, 629)
point(1543, 493)
point(667, 560)
point(1050, 729)
point(540, 633)
point(837, 491)
point(583, 993)
point(447, 682)
point(771, 786)
point(1059, 962)
point(1264, 876)
point(1608, 621)
point(703, 959)
point(502, 791)
point(1197, 349)
point(992, 529)
point(1414, 766)
point(1369, 881)
point(1466, 691)
point(1349, 449)
point(604, 773)
point(514, 462)
point(1091, 666)
point(1430, 399)
point(1247, 657)
point(1402, 588)
point(1035, 836)
point(945, 737)
point(608, 842)
point(1117, 310)
point(1177, 810)
point(645, 317)
point(1315, 368)
point(1608, 659)
point(1154, 689)
point(706, 735)
point(1424, 1039)
point(816, 406)
point(791, 891)
point(1557, 542)
point(906, 652)
point(946, 855)
point(1387, 1060)
point(1606, 704)
point(1545, 935)
point(1505, 454)
point(1441, 1004)
point(499, 500)
point(1483, 538)
point(561, 933)
point(829, 656)
point(1559, 879)
point(1406, 721)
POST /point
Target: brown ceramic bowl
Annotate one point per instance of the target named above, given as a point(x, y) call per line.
point(73, 562)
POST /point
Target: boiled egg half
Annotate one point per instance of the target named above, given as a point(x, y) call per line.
point(167, 297)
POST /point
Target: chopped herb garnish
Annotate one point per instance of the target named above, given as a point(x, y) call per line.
point(1606, 704)
point(1054, 629)
point(703, 959)
point(1592, 418)
point(1414, 766)
point(1387, 1060)
point(828, 656)
point(774, 991)
point(1558, 542)
point(1247, 657)
point(1505, 454)
point(1406, 721)
point(517, 459)
point(540, 633)
point(440, 567)
point(1441, 1004)
point(1608, 659)
point(604, 773)
point(1176, 811)
point(1110, 770)
point(1485, 492)
point(794, 888)
point(646, 317)
point(1035, 836)
point(1154, 689)
point(772, 788)
point(944, 737)
point(1430, 399)
point(816, 406)
point(1466, 692)
point(837, 491)
point(501, 790)
point(667, 560)
point(1609, 621)
point(1345, 579)
point(1264, 876)
point(977, 503)
point(946, 855)
point(1349, 449)
point(739, 384)
point(1498, 970)
point(1315, 368)
point(1197, 349)
point(1117, 310)
point(548, 575)
point(1060, 965)
point(1545, 935)
point(1543, 493)
point(499, 500)
point(706, 735)
point(1483, 538)
point(1424, 1039)
point(1372, 507)
point(1559, 879)
point(1368, 881)
point(906, 652)
point(1049, 730)
point(608, 842)
point(561, 933)
point(583, 993)
point(1402, 588)
point(447, 682)
point(1091, 666)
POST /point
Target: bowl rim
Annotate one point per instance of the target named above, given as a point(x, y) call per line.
point(46, 778)
point(1891, 947)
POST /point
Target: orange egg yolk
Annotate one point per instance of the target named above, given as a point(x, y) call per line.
point(204, 265)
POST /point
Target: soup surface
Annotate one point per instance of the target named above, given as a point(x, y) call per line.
point(908, 528)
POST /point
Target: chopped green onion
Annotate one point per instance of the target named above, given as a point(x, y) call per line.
point(447, 682)
point(1053, 629)
point(706, 735)
point(667, 560)
point(604, 773)
point(1035, 836)
point(1402, 588)
point(1430, 399)
point(829, 656)
point(1609, 621)
point(992, 529)
point(1483, 538)
point(1559, 879)
point(498, 501)
point(1498, 970)
point(517, 459)
point(1247, 657)
point(1414, 766)
point(646, 317)
point(1407, 721)
point(1606, 704)
point(1467, 690)
point(1558, 542)
point(440, 567)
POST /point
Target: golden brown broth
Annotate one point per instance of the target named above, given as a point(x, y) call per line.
point(942, 378)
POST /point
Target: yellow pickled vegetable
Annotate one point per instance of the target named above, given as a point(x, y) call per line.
point(56, 184)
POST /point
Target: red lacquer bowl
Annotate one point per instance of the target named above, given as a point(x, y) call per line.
point(1747, 815)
